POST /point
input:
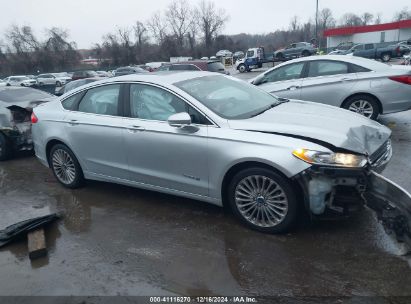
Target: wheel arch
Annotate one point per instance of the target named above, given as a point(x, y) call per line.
point(235, 168)
point(55, 141)
point(380, 107)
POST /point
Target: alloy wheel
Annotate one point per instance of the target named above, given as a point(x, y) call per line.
point(63, 166)
point(362, 107)
point(261, 201)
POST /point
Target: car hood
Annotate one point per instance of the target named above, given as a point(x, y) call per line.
point(323, 124)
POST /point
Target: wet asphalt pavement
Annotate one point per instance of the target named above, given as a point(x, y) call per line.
point(116, 240)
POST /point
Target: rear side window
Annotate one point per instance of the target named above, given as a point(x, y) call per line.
point(357, 69)
point(102, 100)
point(326, 68)
point(215, 66)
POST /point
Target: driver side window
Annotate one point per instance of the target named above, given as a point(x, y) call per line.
point(153, 103)
point(288, 72)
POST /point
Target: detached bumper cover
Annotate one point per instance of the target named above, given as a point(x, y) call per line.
point(392, 205)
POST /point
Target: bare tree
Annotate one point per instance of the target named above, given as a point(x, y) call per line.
point(210, 21)
point(403, 14)
point(140, 32)
point(326, 19)
point(366, 18)
point(378, 18)
point(157, 26)
point(294, 23)
point(351, 19)
point(179, 16)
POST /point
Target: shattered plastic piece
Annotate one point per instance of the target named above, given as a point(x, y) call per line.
point(20, 229)
point(392, 205)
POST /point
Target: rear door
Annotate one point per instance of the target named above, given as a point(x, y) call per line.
point(284, 81)
point(327, 81)
point(94, 129)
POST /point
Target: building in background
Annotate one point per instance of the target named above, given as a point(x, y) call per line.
point(378, 33)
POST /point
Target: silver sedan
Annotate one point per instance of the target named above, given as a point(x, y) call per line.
point(360, 85)
point(217, 139)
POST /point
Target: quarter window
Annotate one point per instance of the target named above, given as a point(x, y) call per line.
point(102, 100)
point(70, 102)
point(326, 68)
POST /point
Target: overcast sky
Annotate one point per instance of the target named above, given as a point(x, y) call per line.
point(88, 20)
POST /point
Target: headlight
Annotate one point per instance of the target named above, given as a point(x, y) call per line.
point(330, 158)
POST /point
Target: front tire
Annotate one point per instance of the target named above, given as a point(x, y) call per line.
point(6, 150)
point(263, 200)
point(66, 167)
point(242, 68)
point(305, 53)
point(364, 105)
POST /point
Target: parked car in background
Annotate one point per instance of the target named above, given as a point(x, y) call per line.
point(403, 48)
point(16, 105)
point(224, 53)
point(155, 65)
point(372, 51)
point(364, 86)
point(196, 65)
point(75, 84)
point(238, 55)
point(218, 139)
point(129, 70)
point(294, 50)
point(204, 58)
point(343, 46)
point(146, 67)
point(103, 74)
point(83, 74)
point(23, 81)
point(57, 79)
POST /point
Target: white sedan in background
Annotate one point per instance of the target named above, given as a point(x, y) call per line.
point(57, 79)
point(360, 85)
point(23, 81)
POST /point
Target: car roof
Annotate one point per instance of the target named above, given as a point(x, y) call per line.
point(162, 78)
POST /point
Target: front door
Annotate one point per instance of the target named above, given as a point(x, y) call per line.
point(161, 155)
point(284, 81)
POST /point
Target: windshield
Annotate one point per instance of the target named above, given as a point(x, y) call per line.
point(22, 94)
point(228, 97)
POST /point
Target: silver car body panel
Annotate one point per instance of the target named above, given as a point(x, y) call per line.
point(193, 162)
point(335, 89)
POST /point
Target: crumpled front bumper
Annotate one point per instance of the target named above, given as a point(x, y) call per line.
point(340, 191)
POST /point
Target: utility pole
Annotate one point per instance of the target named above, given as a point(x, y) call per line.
point(316, 23)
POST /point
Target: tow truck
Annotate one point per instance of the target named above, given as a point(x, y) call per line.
point(254, 59)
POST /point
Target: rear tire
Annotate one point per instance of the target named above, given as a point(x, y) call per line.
point(263, 200)
point(305, 53)
point(280, 57)
point(6, 150)
point(385, 57)
point(66, 167)
point(362, 104)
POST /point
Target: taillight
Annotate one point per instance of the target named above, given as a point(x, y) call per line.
point(406, 79)
point(34, 118)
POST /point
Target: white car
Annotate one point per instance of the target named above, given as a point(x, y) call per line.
point(23, 81)
point(2, 83)
point(58, 79)
point(224, 53)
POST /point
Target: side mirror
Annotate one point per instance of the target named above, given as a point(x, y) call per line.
point(179, 120)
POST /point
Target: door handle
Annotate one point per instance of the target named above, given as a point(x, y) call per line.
point(292, 88)
point(345, 79)
point(73, 122)
point(137, 128)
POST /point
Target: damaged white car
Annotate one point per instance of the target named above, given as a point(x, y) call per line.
point(218, 139)
point(16, 105)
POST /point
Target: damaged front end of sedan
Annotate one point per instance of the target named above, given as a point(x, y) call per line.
point(334, 190)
